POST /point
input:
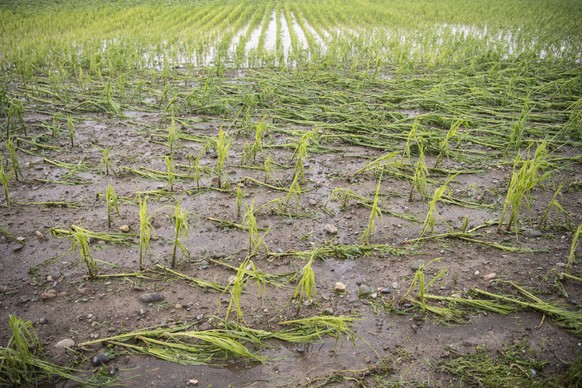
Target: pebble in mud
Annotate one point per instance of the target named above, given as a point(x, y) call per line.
point(124, 228)
point(340, 287)
point(65, 343)
point(151, 297)
point(100, 359)
point(330, 229)
point(489, 276)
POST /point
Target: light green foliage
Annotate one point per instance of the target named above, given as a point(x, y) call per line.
point(5, 180)
point(419, 180)
point(105, 161)
point(239, 199)
point(552, 204)
point(57, 117)
point(196, 167)
point(573, 247)
point(526, 174)
point(145, 228)
point(222, 147)
point(256, 242)
point(111, 200)
point(15, 170)
point(245, 269)
point(170, 172)
point(444, 144)
point(23, 362)
point(251, 151)
point(375, 213)
point(430, 219)
point(268, 169)
point(422, 285)
point(71, 127)
point(172, 138)
point(300, 154)
point(181, 229)
point(306, 286)
point(80, 239)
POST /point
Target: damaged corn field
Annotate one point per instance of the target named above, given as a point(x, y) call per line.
point(291, 193)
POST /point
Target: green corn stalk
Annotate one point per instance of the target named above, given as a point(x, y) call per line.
point(5, 179)
point(111, 199)
point(71, 127)
point(573, 248)
point(105, 162)
point(430, 219)
point(80, 238)
point(419, 177)
point(145, 228)
point(222, 147)
point(14, 164)
point(523, 180)
point(375, 213)
point(170, 172)
point(181, 228)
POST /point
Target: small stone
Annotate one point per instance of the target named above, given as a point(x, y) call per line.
point(192, 382)
point(178, 306)
point(367, 359)
point(43, 321)
point(39, 235)
point(124, 228)
point(151, 297)
point(416, 266)
point(395, 285)
point(330, 229)
point(561, 265)
point(490, 276)
point(49, 278)
point(340, 287)
point(100, 359)
point(477, 273)
point(386, 290)
point(65, 343)
point(364, 290)
point(205, 326)
point(47, 295)
point(327, 311)
point(532, 233)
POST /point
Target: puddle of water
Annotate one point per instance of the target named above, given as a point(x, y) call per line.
point(271, 33)
point(285, 36)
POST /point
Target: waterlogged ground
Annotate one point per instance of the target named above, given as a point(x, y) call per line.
point(392, 341)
